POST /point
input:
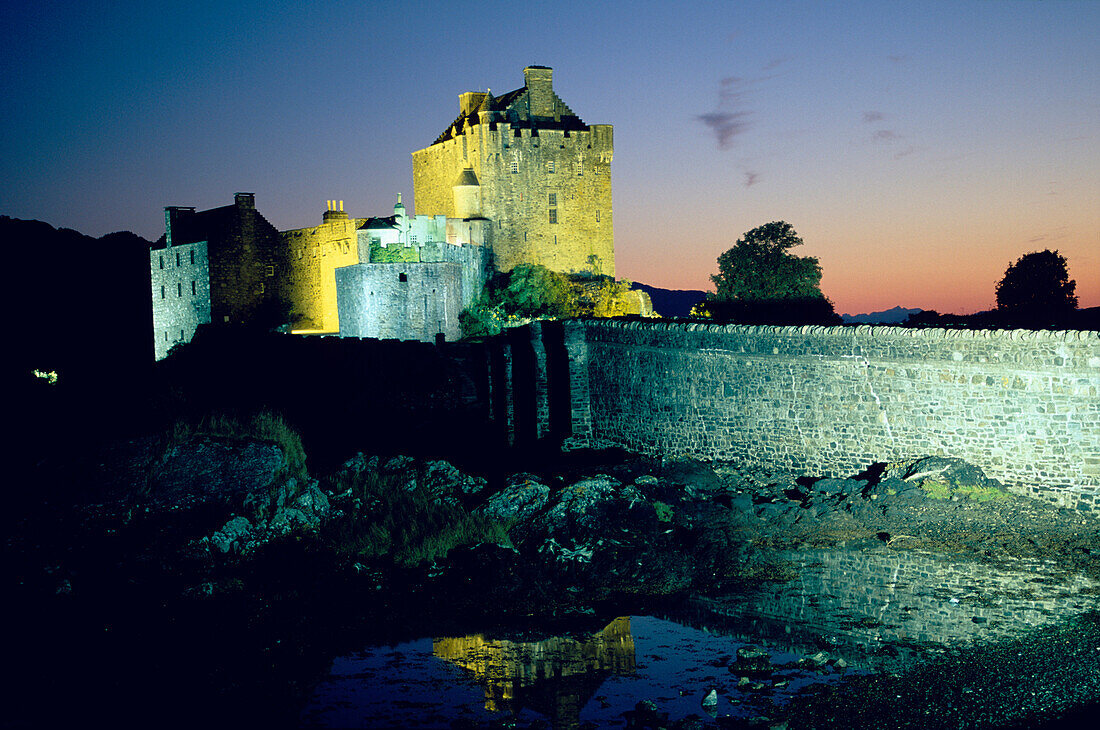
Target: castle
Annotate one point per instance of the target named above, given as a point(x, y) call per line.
point(514, 179)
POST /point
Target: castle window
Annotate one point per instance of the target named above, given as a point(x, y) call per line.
point(597, 216)
point(269, 270)
point(161, 261)
point(178, 259)
point(165, 335)
point(412, 239)
point(402, 276)
point(553, 198)
point(262, 288)
point(515, 167)
point(179, 288)
point(181, 335)
point(550, 166)
point(194, 289)
point(553, 215)
point(162, 291)
point(192, 255)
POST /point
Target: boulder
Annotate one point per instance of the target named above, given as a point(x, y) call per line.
point(232, 536)
point(694, 477)
point(523, 496)
point(445, 482)
point(942, 469)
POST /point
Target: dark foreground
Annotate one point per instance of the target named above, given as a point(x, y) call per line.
point(166, 608)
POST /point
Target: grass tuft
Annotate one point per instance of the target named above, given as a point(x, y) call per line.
point(393, 519)
point(263, 426)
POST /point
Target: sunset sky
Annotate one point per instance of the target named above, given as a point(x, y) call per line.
point(918, 148)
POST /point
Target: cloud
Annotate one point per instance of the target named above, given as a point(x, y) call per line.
point(886, 135)
point(905, 152)
point(751, 178)
point(776, 63)
point(726, 125)
point(869, 117)
point(731, 118)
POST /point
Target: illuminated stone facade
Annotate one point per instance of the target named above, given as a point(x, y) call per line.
point(1023, 405)
point(529, 165)
point(181, 294)
point(234, 267)
point(312, 256)
point(231, 279)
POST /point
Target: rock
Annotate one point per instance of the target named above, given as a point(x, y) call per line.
point(751, 661)
point(444, 480)
point(205, 470)
point(233, 535)
point(694, 476)
point(939, 469)
point(289, 519)
point(523, 496)
point(313, 501)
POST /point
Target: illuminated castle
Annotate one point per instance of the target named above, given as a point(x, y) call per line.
point(514, 179)
point(528, 164)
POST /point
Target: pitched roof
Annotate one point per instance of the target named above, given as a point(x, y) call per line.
point(506, 105)
point(377, 223)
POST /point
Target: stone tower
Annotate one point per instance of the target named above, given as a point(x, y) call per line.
point(529, 165)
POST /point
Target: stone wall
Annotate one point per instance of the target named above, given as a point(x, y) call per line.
point(405, 301)
point(1023, 405)
point(309, 280)
point(180, 293)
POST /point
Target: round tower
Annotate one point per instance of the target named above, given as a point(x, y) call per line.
point(467, 195)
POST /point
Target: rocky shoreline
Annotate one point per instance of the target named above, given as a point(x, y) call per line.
point(222, 549)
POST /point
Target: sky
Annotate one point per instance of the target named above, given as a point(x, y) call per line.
point(918, 148)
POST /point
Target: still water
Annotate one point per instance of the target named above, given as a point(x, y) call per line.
point(846, 611)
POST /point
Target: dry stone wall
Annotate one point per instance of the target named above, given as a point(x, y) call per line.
point(1024, 405)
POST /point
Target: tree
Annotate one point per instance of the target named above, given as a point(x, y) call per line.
point(1037, 290)
point(528, 291)
point(759, 281)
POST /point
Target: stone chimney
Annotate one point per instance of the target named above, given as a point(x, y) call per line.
point(245, 200)
point(539, 81)
point(173, 214)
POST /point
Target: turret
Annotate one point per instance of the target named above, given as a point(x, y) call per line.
point(467, 195)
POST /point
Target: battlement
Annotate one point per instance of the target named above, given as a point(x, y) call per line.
point(527, 163)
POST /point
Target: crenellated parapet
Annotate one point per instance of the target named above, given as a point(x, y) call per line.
point(526, 163)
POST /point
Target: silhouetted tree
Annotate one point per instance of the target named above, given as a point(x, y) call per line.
point(1037, 290)
point(760, 282)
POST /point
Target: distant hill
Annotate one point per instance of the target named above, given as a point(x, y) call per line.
point(78, 305)
point(672, 302)
point(897, 315)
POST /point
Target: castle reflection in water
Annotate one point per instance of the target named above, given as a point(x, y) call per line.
point(556, 677)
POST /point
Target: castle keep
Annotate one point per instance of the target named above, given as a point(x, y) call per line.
point(514, 179)
point(528, 164)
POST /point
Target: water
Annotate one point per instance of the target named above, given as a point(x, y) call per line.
point(867, 610)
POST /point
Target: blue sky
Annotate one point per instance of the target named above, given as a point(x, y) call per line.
point(918, 148)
